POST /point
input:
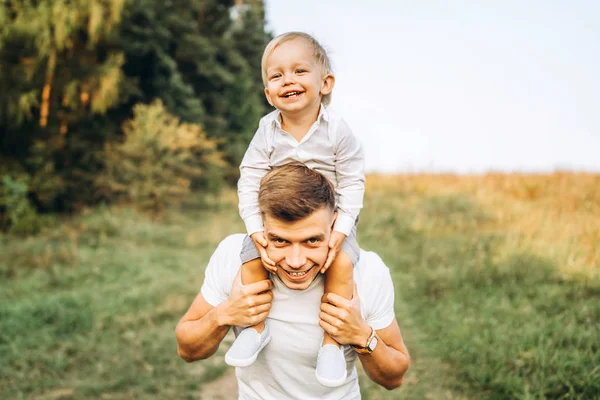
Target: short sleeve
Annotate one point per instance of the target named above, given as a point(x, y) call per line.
point(377, 293)
point(221, 270)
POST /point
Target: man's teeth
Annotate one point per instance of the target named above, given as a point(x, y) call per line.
point(297, 273)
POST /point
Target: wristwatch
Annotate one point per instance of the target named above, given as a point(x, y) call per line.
point(371, 344)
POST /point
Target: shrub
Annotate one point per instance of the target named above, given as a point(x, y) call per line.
point(17, 214)
point(159, 160)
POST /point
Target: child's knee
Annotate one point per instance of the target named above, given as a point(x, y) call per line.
point(342, 267)
point(343, 260)
point(253, 265)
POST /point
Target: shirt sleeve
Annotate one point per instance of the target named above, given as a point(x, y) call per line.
point(217, 283)
point(254, 166)
point(379, 294)
point(349, 171)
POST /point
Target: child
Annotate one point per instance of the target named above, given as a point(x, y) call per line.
point(298, 83)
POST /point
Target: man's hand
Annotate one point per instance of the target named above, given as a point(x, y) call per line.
point(247, 305)
point(341, 319)
point(335, 245)
point(260, 241)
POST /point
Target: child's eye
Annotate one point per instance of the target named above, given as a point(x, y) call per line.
point(275, 76)
point(300, 71)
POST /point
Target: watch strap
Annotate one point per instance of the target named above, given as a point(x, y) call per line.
point(365, 349)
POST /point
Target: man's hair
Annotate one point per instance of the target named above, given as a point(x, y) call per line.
point(293, 191)
point(320, 55)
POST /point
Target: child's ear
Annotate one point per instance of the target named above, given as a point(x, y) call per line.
point(328, 84)
point(268, 96)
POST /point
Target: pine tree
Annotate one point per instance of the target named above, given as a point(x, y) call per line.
point(59, 68)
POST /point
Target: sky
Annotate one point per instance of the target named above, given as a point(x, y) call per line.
point(461, 86)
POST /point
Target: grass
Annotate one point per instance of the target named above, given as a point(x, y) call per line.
point(100, 323)
point(497, 292)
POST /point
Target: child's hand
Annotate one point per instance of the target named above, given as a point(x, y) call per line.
point(261, 245)
point(335, 245)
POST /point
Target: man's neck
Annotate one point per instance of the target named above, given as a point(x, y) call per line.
point(298, 124)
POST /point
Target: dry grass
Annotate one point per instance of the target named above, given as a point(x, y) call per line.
point(552, 215)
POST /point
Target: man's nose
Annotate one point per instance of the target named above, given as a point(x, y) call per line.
point(296, 258)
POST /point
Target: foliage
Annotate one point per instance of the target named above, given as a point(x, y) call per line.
point(158, 159)
point(71, 73)
point(19, 217)
point(203, 64)
point(60, 71)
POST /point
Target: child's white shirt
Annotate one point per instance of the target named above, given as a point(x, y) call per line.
point(328, 147)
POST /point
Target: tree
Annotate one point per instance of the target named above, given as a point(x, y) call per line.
point(158, 159)
point(72, 71)
point(59, 69)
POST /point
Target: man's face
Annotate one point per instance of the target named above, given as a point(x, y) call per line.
point(299, 249)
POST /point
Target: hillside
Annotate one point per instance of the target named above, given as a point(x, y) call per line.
point(497, 291)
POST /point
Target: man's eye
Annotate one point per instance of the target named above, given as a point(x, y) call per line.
point(313, 241)
point(279, 241)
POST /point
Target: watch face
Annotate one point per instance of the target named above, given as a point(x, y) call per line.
point(373, 343)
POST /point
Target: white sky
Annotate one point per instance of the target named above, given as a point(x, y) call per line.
point(463, 86)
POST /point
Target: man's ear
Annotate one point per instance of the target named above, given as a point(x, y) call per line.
point(268, 96)
point(335, 214)
point(328, 84)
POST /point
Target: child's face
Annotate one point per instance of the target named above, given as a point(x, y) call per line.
point(295, 82)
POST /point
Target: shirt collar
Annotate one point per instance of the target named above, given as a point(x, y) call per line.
point(322, 114)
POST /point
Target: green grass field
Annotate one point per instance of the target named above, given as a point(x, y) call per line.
point(88, 309)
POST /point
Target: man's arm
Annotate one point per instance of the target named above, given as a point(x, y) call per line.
point(387, 364)
point(390, 360)
point(203, 327)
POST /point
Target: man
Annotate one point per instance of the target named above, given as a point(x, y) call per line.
point(298, 205)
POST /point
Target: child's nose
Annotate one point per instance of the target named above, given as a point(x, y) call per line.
point(288, 78)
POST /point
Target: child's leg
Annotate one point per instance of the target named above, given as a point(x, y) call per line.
point(339, 280)
point(331, 362)
point(254, 271)
point(249, 343)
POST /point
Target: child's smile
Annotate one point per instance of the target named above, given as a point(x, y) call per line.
point(294, 94)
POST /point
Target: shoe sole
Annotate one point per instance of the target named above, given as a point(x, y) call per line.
point(234, 362)
point(331, 383)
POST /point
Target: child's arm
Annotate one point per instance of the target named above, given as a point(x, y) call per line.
point(349, 171)
point(254, 166)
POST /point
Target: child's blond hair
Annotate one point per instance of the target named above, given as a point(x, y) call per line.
point(319, 53)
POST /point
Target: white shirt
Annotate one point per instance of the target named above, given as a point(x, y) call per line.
point(328, 147)
point(285, 368)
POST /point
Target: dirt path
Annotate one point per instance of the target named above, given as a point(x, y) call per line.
point(224, 388)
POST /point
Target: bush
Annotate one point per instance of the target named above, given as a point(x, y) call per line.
point(159, 160)
point(17, 214)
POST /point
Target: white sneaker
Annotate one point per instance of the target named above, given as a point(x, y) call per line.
point(247, 345)
point(331, 366)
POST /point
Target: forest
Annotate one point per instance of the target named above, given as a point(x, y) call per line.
point(112, 101)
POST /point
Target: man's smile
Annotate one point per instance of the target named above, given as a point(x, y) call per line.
point(297, 275)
